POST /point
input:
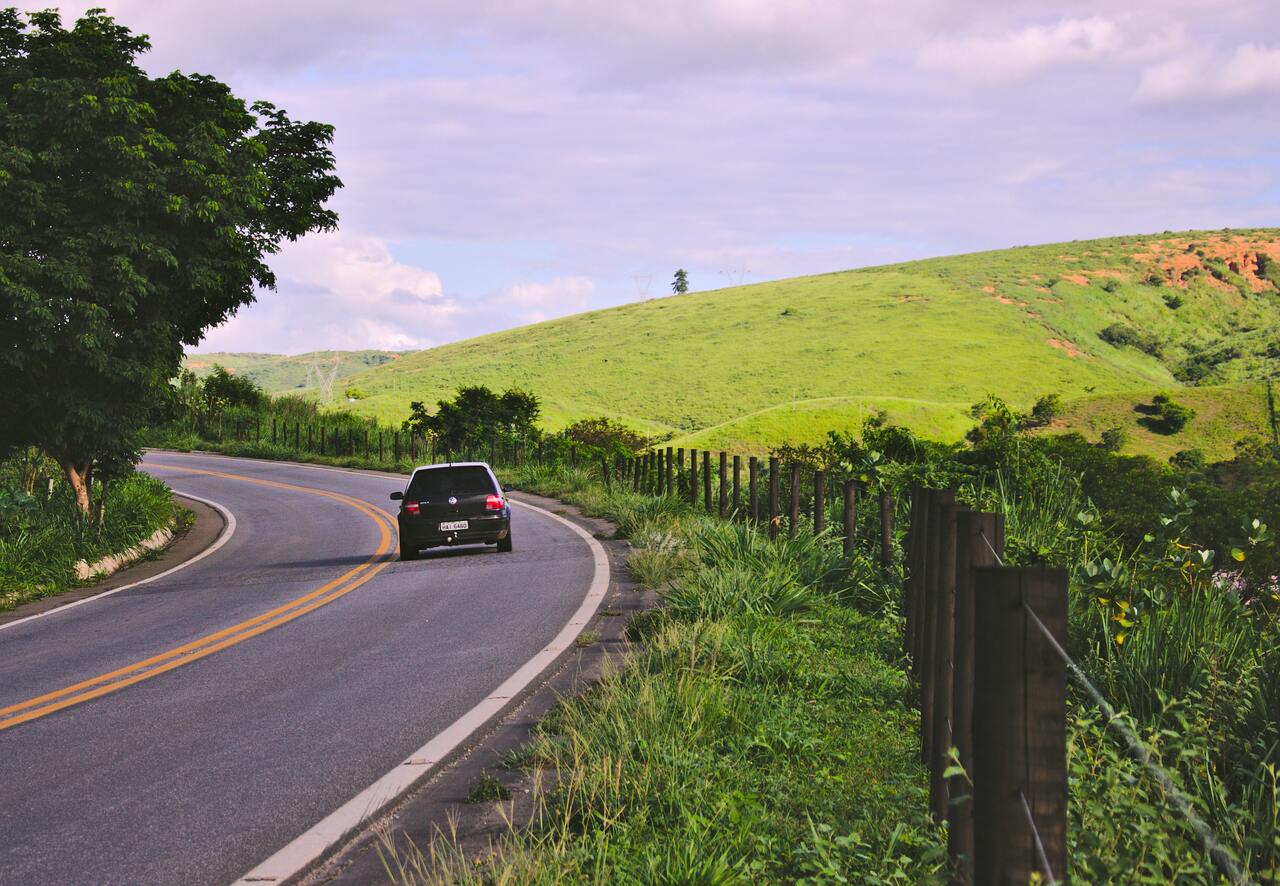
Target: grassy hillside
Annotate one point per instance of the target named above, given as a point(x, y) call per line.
point(281, 374)
point(751, 365)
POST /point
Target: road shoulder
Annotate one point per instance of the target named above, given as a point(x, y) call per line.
point(439, 805)
point(205, 529)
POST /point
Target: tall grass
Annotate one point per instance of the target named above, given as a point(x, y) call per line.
point(42, 536)
point(761, 732)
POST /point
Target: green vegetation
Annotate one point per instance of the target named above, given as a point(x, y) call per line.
point(139, 212)
point(763, 730)
point(43, 535)
point(751, 367)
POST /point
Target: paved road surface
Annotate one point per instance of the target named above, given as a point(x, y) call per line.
point(215, 751)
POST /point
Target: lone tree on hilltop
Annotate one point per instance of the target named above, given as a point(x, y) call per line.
point(135, 213)
point(680, 285)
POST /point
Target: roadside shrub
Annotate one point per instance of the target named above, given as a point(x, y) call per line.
point(1172, 300)
point(1189, 459)
point(1113, 439)
point(1046, 409)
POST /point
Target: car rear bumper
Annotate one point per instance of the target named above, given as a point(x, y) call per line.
point(420, 533)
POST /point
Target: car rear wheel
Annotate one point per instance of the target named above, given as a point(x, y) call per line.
point(504, 544)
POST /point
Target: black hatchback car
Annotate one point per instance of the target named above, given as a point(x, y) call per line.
point(454, 504)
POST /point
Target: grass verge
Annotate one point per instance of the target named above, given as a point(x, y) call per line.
point(763, 729)
point(42, 536)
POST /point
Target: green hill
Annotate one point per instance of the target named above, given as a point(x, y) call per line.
point(281, 374)
point(1111, 321)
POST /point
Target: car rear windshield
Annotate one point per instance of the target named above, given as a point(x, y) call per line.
point(463, 480)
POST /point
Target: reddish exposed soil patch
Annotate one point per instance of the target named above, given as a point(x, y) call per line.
point(1078, 279)
point(1005, 300)
point(990, 289)
point(1071, 349)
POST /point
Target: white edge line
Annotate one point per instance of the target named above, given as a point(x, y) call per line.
point(308, 848)
point(228, 530)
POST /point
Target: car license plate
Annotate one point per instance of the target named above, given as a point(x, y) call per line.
point(453, 525)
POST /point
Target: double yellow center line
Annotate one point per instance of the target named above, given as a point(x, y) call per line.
point(103, 684)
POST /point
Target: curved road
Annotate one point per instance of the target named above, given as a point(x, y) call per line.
point(185, 730)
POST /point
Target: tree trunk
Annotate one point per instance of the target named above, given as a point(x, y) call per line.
point(78, 475)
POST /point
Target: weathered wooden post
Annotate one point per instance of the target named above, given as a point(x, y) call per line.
point(604, 469)
point(273, 431)
point(308, 436)
point(737, 486)
point(395, 446)
point(706, 479)
point(322, 435)
point(1019, 725)
point(693, 477)
point(979, 543)
point(774, 518)
point(670, 478)
point(724, 484)
point(680, 469)
point(753, 492)
point(795, 499)
point(819, 501)
point(944, 643)
point(929, 624)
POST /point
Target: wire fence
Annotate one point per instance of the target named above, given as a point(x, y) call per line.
point(987, 643)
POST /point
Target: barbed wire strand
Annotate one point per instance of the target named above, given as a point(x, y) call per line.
point(986, 540)
point(1220, 855)
point(1035, 835)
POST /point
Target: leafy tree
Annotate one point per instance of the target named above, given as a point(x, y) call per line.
point(1169, 417)
point(1046, 409)
point(1113, 439)
point(135, 213)
point(474, 416)
point(223, 389)
point(606, 435)
point(354, 394)
point(680, 285)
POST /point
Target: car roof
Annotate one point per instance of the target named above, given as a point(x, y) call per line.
point(453, 464)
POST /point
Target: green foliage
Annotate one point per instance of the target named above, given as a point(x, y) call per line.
point(1168, 417)
point(1113, 439)
point(354, 394)
point(42, 534)
point(475, 416)
point(222, 389)
point(1123, 335)
point(680, 285)
point(137, 213)
point(1046, 409)
point(605, 436)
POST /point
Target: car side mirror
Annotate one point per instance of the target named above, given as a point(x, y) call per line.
point(397, 496)
point(506, 487)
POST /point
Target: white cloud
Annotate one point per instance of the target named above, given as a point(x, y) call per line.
point(1248, 70)
point(1023, 51)
point(339, 290)
point(528, 302)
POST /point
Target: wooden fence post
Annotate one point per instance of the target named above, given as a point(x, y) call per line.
point(737, 486)
point(604, 469)
point(773, 497)
point(886, 530)
point(680, 469)
point(972, 551)
point(322, 432)
point(819, 501)
point(929, 624)
point(706, 479)
point(795, 499)
point(308, 436)
point(724, 483)
point(395, 446)
point(850, 522)
point(1019, 724)
point(693, 477)
point(944, 644)
point(753, 492)
point(273, 432)
point(670, 478)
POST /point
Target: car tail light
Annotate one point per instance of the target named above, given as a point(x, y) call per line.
point(494, 503)
point(411, 507)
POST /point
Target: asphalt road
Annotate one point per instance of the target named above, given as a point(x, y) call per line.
point(216, 751)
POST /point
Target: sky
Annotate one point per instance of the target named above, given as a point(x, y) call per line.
point(510, 161)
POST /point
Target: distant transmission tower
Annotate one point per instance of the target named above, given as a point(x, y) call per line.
point(322, 377)
point(734, 274)
point(643, 282)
